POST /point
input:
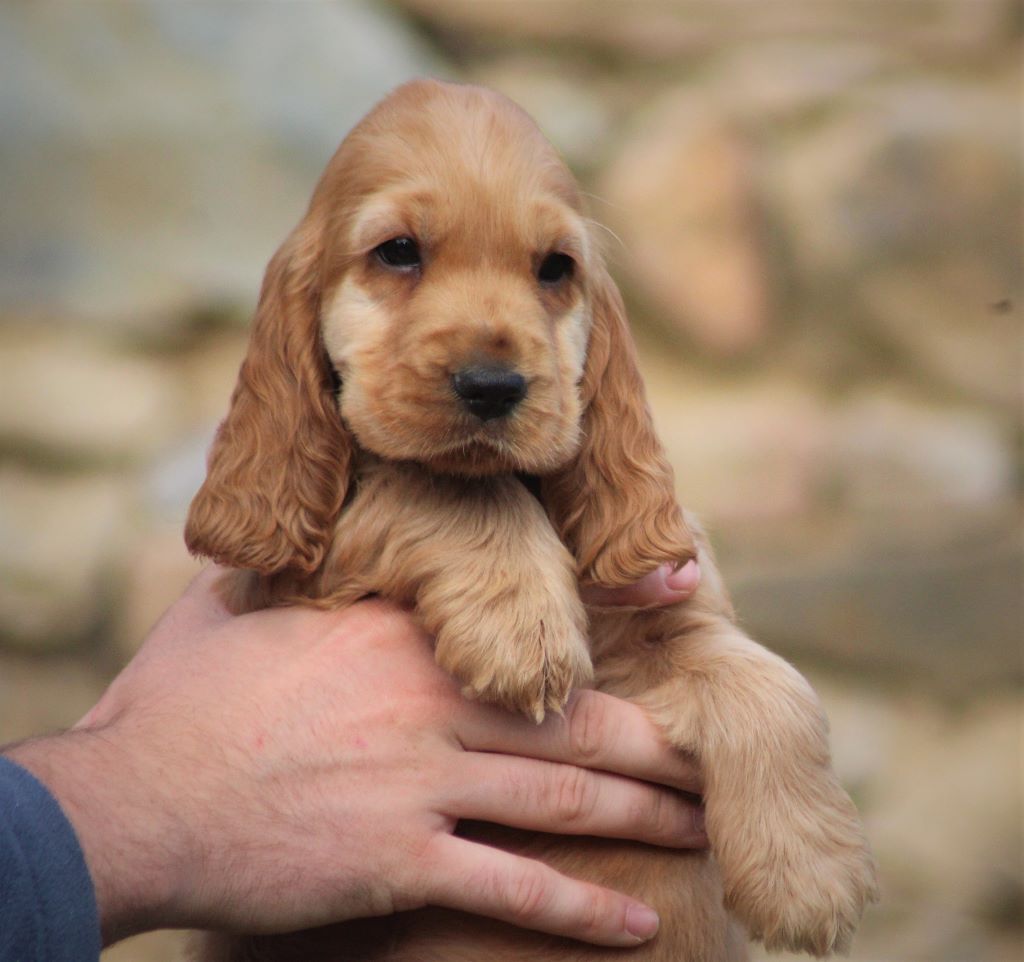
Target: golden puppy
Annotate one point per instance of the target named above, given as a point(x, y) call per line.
point(441, 405)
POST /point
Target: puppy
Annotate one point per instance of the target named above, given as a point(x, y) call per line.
point(441, 405)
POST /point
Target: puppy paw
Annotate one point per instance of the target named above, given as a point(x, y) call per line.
point(528, 660)
point(802, 876)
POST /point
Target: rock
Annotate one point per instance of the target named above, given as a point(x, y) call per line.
point(211, 373)
point(928, 598)
point(890, 451)
point(766, 448)
point(659, 32)
point(876, 531)
point(158, 568)
point(741, 452)
point(61, 539)
point(155, 152)
point(45, 695)
point(173, 477)
point(959, 324)
point(681, 195)
point(70, 398)
point(914, 172)
point(665, 31)
point(786, 81)
point(980, 829)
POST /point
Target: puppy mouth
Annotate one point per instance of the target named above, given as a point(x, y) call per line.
point(464, 443)
point(496, 446)
point(471, 437)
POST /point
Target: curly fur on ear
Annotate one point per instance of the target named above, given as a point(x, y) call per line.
point(279, 466)
point(615, 505)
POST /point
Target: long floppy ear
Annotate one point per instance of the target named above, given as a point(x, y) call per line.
point(279, 466)
point(614, 506)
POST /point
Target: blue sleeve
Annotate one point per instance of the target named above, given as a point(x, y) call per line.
point(47, 903)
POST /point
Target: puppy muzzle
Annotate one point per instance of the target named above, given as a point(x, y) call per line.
point(489, 392)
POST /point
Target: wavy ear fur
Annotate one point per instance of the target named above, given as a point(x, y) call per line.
point(614, 506)
point(279, 466)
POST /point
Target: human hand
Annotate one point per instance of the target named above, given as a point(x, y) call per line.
point(293, 767)
point(663, 586)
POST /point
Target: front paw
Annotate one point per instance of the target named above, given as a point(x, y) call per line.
point(527, 660)
point(799, 873)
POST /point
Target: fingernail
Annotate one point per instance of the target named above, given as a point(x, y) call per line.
point(642, 922)
point(684, 579)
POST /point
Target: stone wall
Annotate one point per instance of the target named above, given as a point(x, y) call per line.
point(815, 213)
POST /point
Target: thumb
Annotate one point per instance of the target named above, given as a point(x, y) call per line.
point(663, 586)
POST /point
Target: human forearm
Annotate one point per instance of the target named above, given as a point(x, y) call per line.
point(120, 816)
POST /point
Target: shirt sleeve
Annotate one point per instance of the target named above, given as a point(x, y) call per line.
point(47, 903)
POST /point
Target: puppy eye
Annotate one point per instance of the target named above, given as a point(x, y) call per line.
point(400, 252)
point(555, 267)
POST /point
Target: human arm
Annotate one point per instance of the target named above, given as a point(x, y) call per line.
point(292, 767)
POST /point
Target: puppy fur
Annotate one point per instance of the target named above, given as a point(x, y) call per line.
point(348, 466)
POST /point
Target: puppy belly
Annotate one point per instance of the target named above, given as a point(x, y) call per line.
point(683, 886)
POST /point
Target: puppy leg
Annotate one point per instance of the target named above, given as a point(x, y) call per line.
point(486, 571)
point(796, 867)
point(506, 612)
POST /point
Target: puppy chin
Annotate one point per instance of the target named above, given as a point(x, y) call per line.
point(471, 461)
point(488, 451)
point(476, 460)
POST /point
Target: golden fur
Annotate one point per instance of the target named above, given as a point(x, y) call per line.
point(346, 466)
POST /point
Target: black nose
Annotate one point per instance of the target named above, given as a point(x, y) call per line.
point(489, 392)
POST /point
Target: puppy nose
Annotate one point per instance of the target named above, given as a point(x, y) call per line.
point(489, 392)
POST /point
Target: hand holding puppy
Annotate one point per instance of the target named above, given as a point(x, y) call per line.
point(295, 767)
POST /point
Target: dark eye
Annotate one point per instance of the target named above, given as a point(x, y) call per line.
point(555, 268)
point(400, 252)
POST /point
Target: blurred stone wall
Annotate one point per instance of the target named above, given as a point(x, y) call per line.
point(814, 210)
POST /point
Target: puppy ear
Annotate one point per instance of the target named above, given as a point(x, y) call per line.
point(279, 465)
point(614, 505)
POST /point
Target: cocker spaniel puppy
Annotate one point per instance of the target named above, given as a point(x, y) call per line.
point(441, 405)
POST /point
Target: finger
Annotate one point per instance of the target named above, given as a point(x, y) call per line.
point(663, 586)
point(548, 797)
point(597, 731)
point(487, 881)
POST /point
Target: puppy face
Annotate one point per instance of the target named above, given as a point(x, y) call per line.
point(455, 309)
point(445, 273)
